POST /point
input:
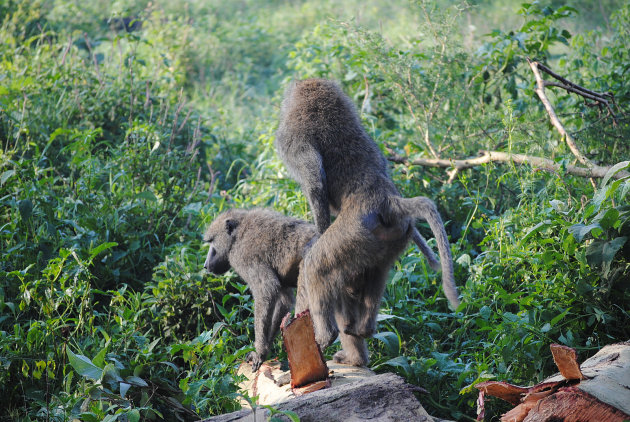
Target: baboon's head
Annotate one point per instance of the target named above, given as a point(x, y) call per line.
point(220, 235)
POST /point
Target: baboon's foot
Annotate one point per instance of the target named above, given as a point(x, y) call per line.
point(255, 360)
point(350, 358)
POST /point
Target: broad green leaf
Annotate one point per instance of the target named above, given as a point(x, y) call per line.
point(594, 253)
point(390, 340)
point(538, 227)
point(6, 175)
point(99, 359)
point(148, 195)
point(398, 362)
point(557, 318)
point(136, 381)
point(100, 248)
point(614, 170)
point(84, 366)
point(609, 218)
point(611, 248)
point(26, 208)
point(124, 387)
point(111, 375)
point(580, 230)
point(133, 415)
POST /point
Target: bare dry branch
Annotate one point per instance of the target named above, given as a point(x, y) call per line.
point(555, 121)
point(486, 157)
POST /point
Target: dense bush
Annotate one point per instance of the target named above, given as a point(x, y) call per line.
point(126, 127)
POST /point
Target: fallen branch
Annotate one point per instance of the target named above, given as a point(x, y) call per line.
point(485, 157)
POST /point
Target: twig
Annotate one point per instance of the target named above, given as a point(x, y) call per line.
point(425, 133)
point(89, 46)
point(65, 51)
point(571, 84)
point(540, 90)
point(486, 157)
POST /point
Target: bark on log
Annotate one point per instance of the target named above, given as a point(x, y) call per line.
point(381, 398)
point(597, 390)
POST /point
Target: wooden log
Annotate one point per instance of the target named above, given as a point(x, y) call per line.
point(380, 398)
point(597, 390)
point(267, 386)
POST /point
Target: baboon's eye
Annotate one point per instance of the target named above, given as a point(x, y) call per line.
point(209, 239)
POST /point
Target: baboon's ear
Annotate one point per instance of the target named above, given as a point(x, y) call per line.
point(230, 225)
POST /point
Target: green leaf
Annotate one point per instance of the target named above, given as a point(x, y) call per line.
point(134, 416)
point(6, 175)
point(557, 318)
point(538, 227)
point(398, 362)
point(485, 312)
point(594, 253)
point(580, 230)
point(100, 248)
point(124, 387)
point(111, 375)
point(25, 207)
point(133, 380)
point(613, 170)
point(99, 359)
point(611, 248)
point(84, 366)
point(148, 195)
point(390, 340)
point(609, 218)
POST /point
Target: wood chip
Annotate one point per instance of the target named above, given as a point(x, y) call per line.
point(566, 361)
point(306, 361)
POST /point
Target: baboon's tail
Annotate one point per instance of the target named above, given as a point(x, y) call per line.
point(424, 208)
point(425, 249)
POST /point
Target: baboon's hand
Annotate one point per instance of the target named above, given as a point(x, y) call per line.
point(283, 379)
point(254, 359)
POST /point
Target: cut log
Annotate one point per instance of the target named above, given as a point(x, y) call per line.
point(267, 384)
point(598, 390)
point(380, 398)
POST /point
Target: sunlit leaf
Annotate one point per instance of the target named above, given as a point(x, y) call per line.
point(84, 366)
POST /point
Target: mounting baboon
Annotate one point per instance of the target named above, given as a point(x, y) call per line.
point(340, 169)
point(265, 248)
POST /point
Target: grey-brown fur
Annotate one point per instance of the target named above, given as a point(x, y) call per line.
point(340, 169)
point(265, 248)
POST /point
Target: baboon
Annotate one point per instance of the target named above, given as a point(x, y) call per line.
point(265, 248)
point(341, 170)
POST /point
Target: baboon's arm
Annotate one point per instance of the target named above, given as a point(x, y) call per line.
point(265, 288)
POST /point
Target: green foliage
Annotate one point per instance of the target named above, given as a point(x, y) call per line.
point(125, 127)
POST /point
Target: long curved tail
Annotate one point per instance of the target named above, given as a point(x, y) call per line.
point(424, 208)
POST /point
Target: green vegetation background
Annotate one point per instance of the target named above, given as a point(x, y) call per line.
point(126, 126)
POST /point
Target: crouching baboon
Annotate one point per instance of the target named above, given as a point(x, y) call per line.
point(265, 248)
point(341, 170)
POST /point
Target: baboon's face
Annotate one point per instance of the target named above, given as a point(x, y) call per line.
point(220, 236)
